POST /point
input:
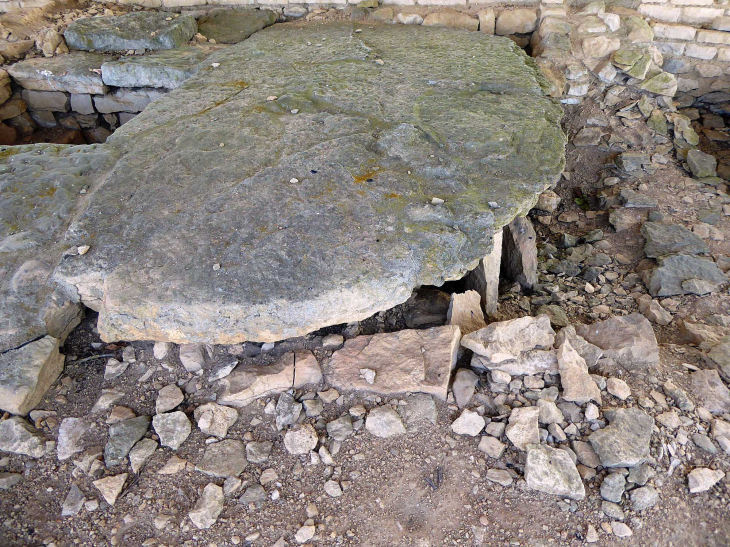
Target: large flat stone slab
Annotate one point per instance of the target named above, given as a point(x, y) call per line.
point(233, 216)
point(141, 30)
point(227, 26)
point(73, 73)
point(167, 69)
point(397, 362)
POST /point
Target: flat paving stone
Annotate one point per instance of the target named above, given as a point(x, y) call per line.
point(73, 73)
point(227, 26)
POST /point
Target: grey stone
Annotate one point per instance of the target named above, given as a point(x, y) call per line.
point(54, 101)
point(341, 428)
point(519, 252)
point(710, 391)
point(172, 428)
point(704, 442)
point(701, 479)
point(420, 410)
point(215, 419)
point(70, 434)
point(140, 453)
point(702, 165)
point(586, 455)
point(208, 507)
point(223, 459)
point(665, 239)
point(629, 340)
point(465, 311)
point(27, 372)
point(522, 429)
point(636, 200)
point(549, 412)
point(465, 383)
point(253, 494)
point(625, 441)
point(19, 437)
point(168, 398)
point(508, 340)
point(73, 502)
point(644, 498)
point(258, 293)
point(484, 279)
point(140, 30)
point(166, 69)
point(612, 510)
point(384, 422)
point(122, 437)
point(613, 487)
point(72, 73)
point(8, 480)
point(577, 384)
point(468, 423)
point(232, 26)
point(126, 100)
point(680, 274)
point(528, 363)
point(287, 411)
point(491, 446)
point(300, 439)
point(111, 487)
point(500, 476)
point(258, 452)
point(589, 352)
point(31, 242)
point(552, 471)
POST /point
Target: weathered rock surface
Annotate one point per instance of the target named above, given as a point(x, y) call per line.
point(683, 274)
point(625, 441)
point(166, 69)
point(232, 26)
point(468, 423)
point(141, 30)
point(50, 177)
point(122, 437)
point(223, 459)
point(172, 428)
point(710, 391)
point(552, 471)
point(578, 386)
point(465, 311)
point(519, 252)
point(393, 134)
point(70, 436)
point(407, 360)
point(629, 340)
point(383, 421)
point(72, 73)
point(215, 419)
point(111, 487)
point(27, 372)
point(702, 479)
point(665, 239)
point(19, 437)
point(522, 429)
point(208, 507)
point(248, 383)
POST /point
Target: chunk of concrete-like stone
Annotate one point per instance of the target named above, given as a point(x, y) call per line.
point(140, 30)
point(403, 361)
point(508, 340)
point(522, 429)
point(519, 252)
point(578, 385)
point(298, 254)
point(383, 421)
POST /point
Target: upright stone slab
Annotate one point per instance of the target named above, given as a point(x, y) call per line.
point(73, 73)
point(141, 30)
point(235, 216)
point(227, 26)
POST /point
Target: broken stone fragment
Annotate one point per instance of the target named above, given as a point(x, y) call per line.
point(552, 471)
point(223, 459)
point(208, 507)
point(528, 363)
point(227, 26)
point(215, 419)
point(27, 372)
point(578, 385)
point(465, 382)
point(122, 437)
point(300, 439)
point(69, 437)
point(522, 429)
point(710, 391)
point(508, 340)
point(629, 340)
point(383, 421)
point(19, 437)
point(665, 239)
point(250, 382)
point(140, 453)
point(172, 428)
point(702, 479)
point(403, 361)
point(111, 487)
point(625, 441)
point(465, 311)
point(468, 423)
point(168, 398)
point(683, 274)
